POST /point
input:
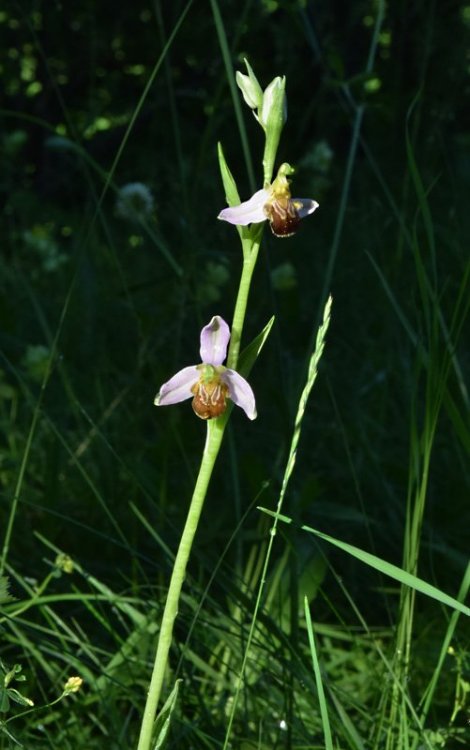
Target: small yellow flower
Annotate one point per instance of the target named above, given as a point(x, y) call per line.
point(64, 562)
point(72, 685)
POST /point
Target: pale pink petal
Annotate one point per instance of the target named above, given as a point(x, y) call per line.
point(178, 388)
point(304, 206)
point(214, 341)
point(249, 212)
point(240, 392)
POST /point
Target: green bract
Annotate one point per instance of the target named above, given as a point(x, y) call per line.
point(250, 88)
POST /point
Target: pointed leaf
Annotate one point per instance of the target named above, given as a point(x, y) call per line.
point(5, 595)
point(162, 723)
point(388, 569)
point(250, 354)
point(230, 187)
point(318, 679)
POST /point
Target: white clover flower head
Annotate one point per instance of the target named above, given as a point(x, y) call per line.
point(135, 201)
point(40, 240)
point(272, 203)
point(214, 277)
point(284, 277)
point(217, 273)
point(319, 158)
point(36, 361)
point(209, 384)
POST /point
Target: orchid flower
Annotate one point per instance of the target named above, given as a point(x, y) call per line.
point(209, 383)
point(273, 203)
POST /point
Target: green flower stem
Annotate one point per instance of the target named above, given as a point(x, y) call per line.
point(215, 432)
point(270, 151)
point(250, 257)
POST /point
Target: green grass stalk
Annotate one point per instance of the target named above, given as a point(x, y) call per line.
point(318, 678)
point(311, 377)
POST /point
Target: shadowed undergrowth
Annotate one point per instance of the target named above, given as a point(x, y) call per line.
point(283, 641)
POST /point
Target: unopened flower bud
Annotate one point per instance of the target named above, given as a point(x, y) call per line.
point(250, 88)
point(274, 109)
point(272, 118)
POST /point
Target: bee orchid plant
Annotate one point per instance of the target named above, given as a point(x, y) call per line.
point(211, 384)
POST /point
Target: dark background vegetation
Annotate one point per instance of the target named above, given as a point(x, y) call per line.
point(72, 76)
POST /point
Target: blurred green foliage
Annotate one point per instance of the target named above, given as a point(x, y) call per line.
point(79, 74)
point(77, 267)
